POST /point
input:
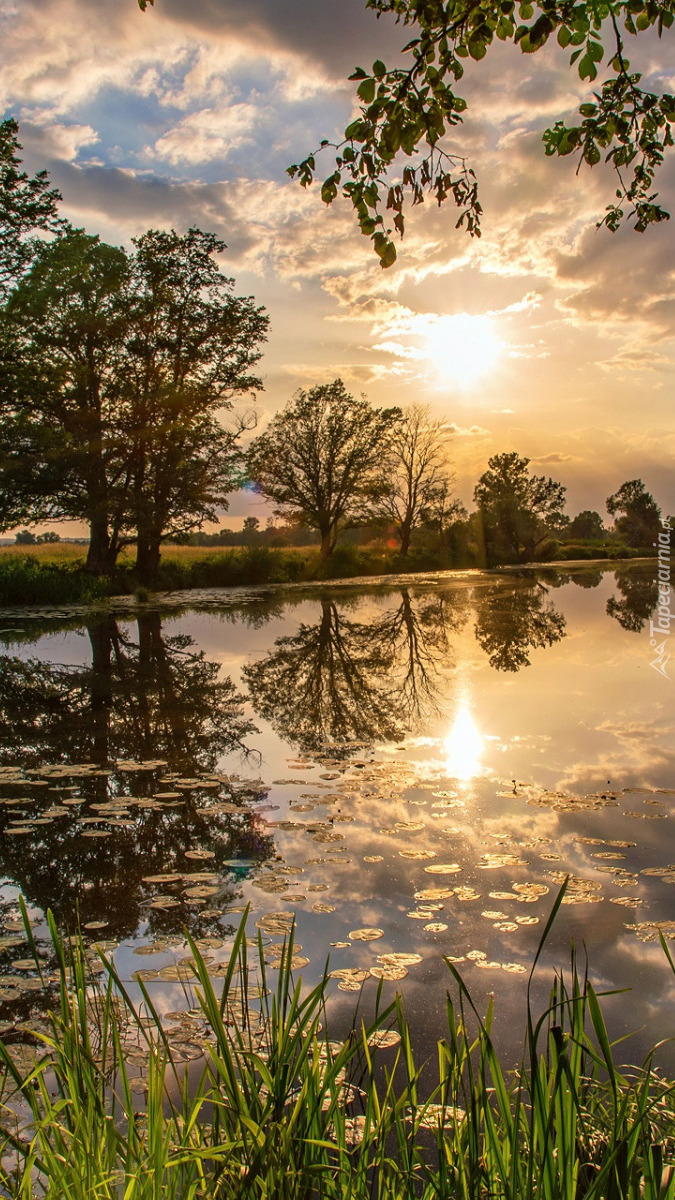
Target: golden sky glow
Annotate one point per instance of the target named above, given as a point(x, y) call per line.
point(544, 336)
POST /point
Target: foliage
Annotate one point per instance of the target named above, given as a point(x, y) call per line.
point(190, 348)
point(586, 525)
point(63, 328)
point(116, 372)
point(27, 204)
point(640, 520)
point(323, 458)
point(419, 474)
point(405, 111)
point(518, 510)
point(277, 1109)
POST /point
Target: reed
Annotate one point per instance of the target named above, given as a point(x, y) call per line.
point(277, 1111)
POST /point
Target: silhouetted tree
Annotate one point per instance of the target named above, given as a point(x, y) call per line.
point(586, 525)
point(518, 511)
point(419, 475)
point(323, 459)
point(639, 519)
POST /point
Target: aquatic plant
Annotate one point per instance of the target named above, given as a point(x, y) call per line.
point(104, 1105)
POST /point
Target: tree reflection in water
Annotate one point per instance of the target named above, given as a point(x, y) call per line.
point(141, 699)
point(340, 681)
point(515, 619)
point(639, 596)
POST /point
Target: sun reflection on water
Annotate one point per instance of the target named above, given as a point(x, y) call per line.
point(464, 745)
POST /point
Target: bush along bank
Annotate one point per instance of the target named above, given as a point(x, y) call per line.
point(271, 1107)
point(26, 579)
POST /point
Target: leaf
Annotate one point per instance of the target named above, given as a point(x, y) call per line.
point(366, 91)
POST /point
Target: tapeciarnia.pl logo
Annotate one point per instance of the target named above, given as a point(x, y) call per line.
point(663, 614)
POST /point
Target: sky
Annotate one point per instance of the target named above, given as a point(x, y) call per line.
point(546, 336)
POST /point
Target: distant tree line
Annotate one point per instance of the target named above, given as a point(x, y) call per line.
point(118, 373)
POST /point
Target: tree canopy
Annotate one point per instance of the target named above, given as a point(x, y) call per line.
point(419, 475)
point(406, 111)
point(116, 371)
point(27, 204)
point(637, 515)
point(323, 457)
point(518, 511)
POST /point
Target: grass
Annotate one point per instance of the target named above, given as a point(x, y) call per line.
point(276, 1111)
point(53, 574)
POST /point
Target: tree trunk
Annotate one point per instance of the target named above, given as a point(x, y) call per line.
point(101, 556)
point(327, 542)
point(147, 558)
point(404, 534)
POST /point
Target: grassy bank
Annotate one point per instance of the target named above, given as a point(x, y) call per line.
point(272, 1108)
point(54, 574)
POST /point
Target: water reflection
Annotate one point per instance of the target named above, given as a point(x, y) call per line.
point(464, 745)
point(341, 681)
point(516, 619)
point(120, 753)
point(637, 600)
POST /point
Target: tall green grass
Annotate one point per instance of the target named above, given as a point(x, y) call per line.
point(25, 579)
point(277, 1111)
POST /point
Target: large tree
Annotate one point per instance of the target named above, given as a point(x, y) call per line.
point(63, 331)
point(420, 475)
point(116, 373)
point(637, 516)
point(191, 349)
point(27, 204)
point(405, 111)
point(518, 511)
point(323, 458)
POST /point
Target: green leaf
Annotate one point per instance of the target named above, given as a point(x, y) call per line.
point(587, 68)
point(385, 250)
point(564, 36)
point(366, 91)
point(379, 69)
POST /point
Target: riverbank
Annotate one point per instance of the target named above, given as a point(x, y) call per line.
point(55, 575)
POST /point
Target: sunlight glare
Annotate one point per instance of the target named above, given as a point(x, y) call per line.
point(462, 348)
point(464, 746)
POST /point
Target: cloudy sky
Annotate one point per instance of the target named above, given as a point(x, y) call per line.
point(546, 336)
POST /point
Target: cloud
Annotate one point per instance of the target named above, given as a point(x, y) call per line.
point(208, 134)
point(553, 458)
point(470, 431)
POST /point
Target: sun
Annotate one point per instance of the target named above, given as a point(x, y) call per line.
point(462, 348)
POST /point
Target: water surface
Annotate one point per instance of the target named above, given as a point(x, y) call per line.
point(407, 767)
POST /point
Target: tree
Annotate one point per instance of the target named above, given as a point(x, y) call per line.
point(405, 111)
point(116, 372)
point(419, 477)
point(323, 458)
point(587, 525)
point(25, 538)
point(518, 511)
point(191, 346)
point(27, 204)
point(63, 331)
point(640, 522)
